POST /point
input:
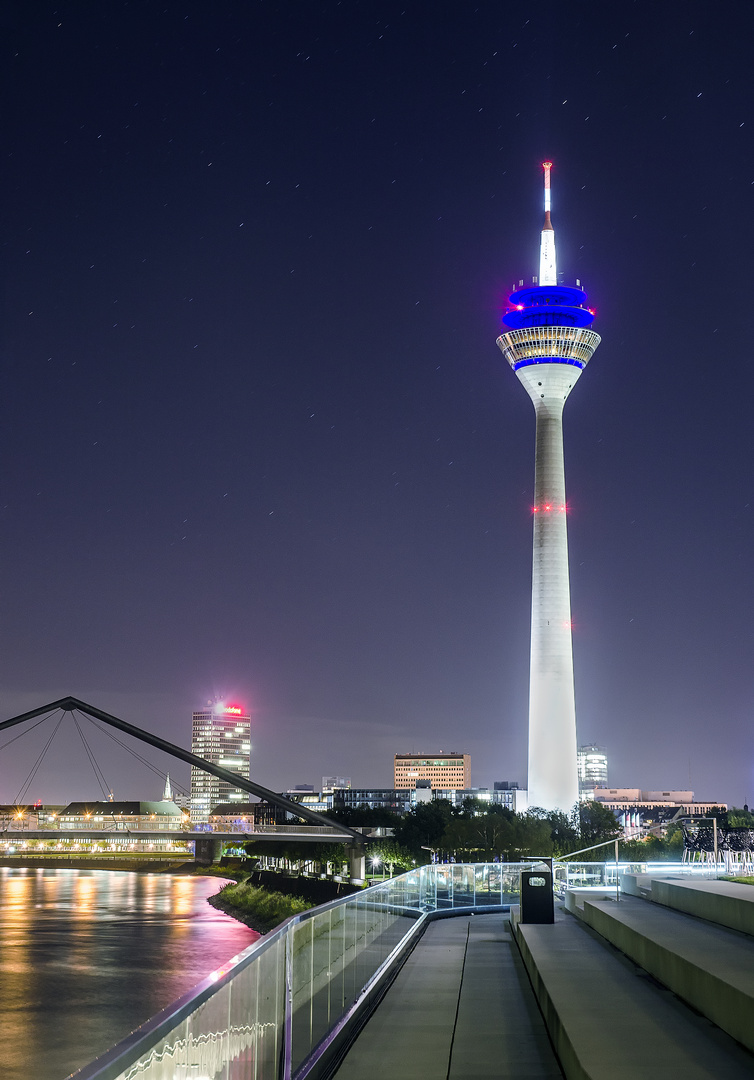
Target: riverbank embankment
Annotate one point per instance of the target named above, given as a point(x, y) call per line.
point(138, 863)
point(263, 899)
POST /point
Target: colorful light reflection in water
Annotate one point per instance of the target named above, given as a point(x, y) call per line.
point(87, 955)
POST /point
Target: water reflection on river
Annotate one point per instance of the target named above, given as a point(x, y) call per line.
point(88, 955)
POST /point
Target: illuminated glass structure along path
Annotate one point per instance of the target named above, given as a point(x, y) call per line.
point(548, 343)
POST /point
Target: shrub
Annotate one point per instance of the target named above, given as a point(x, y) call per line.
point(264, 910)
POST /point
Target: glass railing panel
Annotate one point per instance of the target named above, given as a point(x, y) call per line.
point(360, 932)
point(426, 888)
point(207, 1048)
point(300, 941)
point(350, 951)
point(165, 1059)
point(484, 887)
point(581, 875)
point(463, 885)
point(314, 1010)
point(510, 882)
point(239, 1026)
point(444, 885)
point(264, 993)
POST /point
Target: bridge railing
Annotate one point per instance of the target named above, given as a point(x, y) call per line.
point(273, 1011)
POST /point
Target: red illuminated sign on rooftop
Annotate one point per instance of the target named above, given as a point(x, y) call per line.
point(234, 710)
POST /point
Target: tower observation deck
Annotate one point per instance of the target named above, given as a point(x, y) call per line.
point(548, 343)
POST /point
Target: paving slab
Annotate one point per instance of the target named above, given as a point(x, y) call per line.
point(461, 1008)
point(499, 1029)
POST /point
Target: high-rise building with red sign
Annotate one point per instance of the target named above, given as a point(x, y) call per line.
point(221, 734)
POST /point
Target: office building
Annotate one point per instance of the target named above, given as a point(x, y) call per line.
point(221, 734)
point(334, 783)
point(398, 801)
point(548, 343)
point(592, 769)
point(443, 770)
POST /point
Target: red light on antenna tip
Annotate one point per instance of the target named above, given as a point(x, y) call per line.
point(546, 164)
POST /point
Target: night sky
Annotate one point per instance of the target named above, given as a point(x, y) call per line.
point(258, 438)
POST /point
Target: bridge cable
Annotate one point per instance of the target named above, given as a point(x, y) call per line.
point(33, 771)
point(143, 760)
point(27, 730)
point(104, 786)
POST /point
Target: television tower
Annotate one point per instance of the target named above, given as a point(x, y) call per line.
point(548, 343)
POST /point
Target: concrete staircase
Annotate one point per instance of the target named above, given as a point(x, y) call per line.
point(658, 985)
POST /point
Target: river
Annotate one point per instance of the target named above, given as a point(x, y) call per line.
point(88, 955)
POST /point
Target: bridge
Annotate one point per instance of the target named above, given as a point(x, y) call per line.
point(295, 833)
point(208, 842)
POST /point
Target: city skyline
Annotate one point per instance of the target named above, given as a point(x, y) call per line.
point(258, 440)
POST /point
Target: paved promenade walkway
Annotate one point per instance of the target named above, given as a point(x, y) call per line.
point(461, 1008)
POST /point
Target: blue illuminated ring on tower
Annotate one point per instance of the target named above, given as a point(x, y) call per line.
point(547, 305)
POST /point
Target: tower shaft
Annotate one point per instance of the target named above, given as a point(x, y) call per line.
point(553, 779)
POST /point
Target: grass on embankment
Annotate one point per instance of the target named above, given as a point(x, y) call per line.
point(258, 908)
point(742, 880)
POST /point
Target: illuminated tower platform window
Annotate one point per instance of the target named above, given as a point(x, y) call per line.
point(221, 734)
point(548, 343)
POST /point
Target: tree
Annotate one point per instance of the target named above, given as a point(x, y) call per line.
point(424, 827)
point(564, 832)
point(389, 854)
point(596, 824)
point(532, 837)
point(364, 817)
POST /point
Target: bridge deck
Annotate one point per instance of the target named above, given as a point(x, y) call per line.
point(461, 1008)
point(315, 834)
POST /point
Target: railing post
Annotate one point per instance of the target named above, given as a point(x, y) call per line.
point(617, 881)
point(714, 837)
point(287, 1048)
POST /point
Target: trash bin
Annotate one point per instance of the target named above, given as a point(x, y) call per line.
point(537, 901)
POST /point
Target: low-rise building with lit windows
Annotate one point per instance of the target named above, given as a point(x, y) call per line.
point(131, 816)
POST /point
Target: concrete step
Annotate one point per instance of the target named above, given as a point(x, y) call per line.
point(709, 966)
point(725, 902)
point(608, 1020)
